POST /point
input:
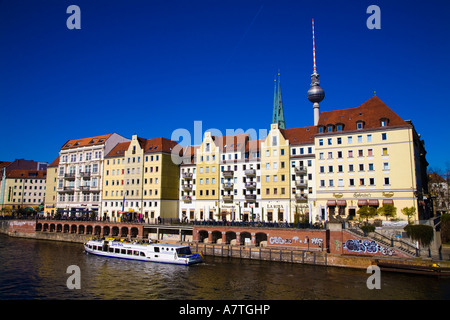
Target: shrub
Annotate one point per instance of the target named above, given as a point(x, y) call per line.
point(422, 233)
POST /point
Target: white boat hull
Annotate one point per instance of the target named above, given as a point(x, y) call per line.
point(161, 253)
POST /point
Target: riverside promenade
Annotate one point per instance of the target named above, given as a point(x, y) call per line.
point(330, 246)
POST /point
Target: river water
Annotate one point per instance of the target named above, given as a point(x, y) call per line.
point(37, 269)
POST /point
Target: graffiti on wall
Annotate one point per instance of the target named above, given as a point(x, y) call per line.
point(367, 246)
point(294, 240)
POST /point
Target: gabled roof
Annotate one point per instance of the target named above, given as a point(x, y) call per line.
point(91, 141)
point(370, 113)
point(159, 145)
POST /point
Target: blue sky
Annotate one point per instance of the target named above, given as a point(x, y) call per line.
point(150, 67)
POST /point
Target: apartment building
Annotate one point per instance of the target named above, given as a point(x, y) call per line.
point(22, 185)
point(80, 168)
point(141, 180)
point(368, 155)
point(51, 192)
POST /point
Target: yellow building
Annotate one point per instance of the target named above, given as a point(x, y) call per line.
point(368, 156)
point(51, 194)
point(208, 178)
point(275, 176)
point(140, 180)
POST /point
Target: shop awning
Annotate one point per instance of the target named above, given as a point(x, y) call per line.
point(374, 202)
point(362, 203)
point(331, 203)
point(388, 201)
point(341, 203)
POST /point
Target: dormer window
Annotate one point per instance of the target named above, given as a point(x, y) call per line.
point(384, 122)
point(330, 128)
point(321, 129)
point(339, 127)
point(360, 125)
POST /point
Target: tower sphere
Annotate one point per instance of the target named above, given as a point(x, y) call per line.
point(316, 94)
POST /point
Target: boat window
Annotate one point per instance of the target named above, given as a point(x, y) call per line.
point(123, 251)
point(156, 249)
point(129, 252)
point(136, 253)
point(117, 250)
point(111, 249)
point(142, 254)
point(185, 250)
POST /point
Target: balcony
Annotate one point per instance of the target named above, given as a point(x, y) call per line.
point(250, 172)
point(187, 175)
point(228, 198)
point(86, 174)
point(70, 175)
point(250, 197)
point(85, 188)
point(228, 186)
point(301, 198)
point(250, 185)
point(187, 187)
point(300, 170)
point(187, 199)
point(228, 174)
point(302, 184)
point(68, 189)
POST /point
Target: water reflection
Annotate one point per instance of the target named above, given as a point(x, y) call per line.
point(37, 270)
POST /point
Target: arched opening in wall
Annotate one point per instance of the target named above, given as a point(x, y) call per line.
point(134, 232)
point(81, 229)
point(89, 230)
point(230, 236)
point(106, 231)
point(115, 231)
point(124, 232)
point(66, 228)
point(97, 230)
point(38, 226)
point(216, 235)
point(59, 228)
point(45, 227)
point(52, 227)
point(246, 238)
point(73, 228)
point(261, 239)
point(202, 235)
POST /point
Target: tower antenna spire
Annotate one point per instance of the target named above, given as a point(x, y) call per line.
point(314, 47)
point(315, 93)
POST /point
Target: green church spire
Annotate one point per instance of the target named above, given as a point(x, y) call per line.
point(278, 113)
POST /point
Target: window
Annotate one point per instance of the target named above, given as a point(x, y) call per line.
point(361, 167)
point(360, 125)
point(331, 183)
point(339, 154)
point(330, 155)
point(274, 141)
point(361, 182)
point(320, 142)
point(369, 152)
point(372, 181)
point(385, 151)
point(321, 156)
point(330, 128)
point(350, 168)
point(322, 169)
point(339, 140)
point(351, 182)
point(322, 183)
point(340, 182)
point(360, 139)
point(384, 136)
point(349, 140)
point(360, 153)
point(330, 141)
point(350, 153)
point(369, 138)
point(339, 127)
point(385, 165)
point(330, 169)
point(387, 181)
point(370, 166)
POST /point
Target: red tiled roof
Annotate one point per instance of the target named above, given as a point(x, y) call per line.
point(91, 141)
point(55, 162)
point(232, 142)
point(370, 112)
point(301, 135)
point(118, 150)
point(30, 174)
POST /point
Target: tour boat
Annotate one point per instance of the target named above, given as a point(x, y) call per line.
point(153, 252)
